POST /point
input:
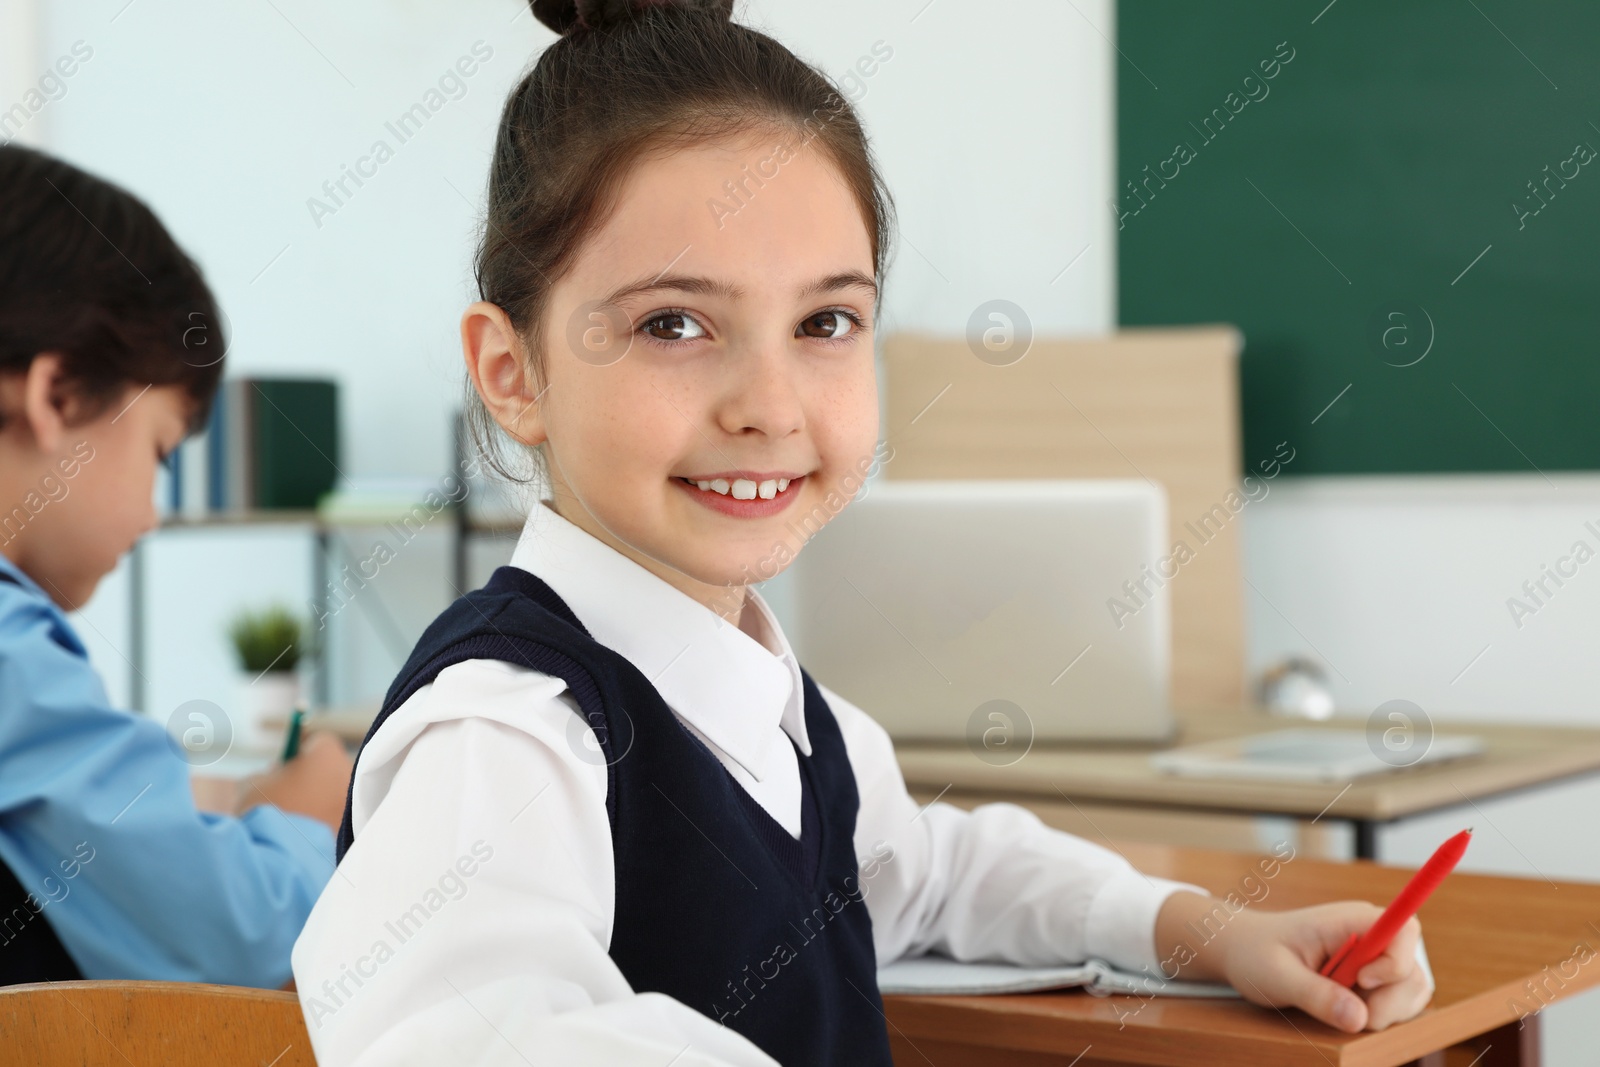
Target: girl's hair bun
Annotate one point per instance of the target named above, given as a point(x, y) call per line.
point(564, 16)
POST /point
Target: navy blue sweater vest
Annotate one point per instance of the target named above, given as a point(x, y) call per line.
point(717, 905)
point(30, 951)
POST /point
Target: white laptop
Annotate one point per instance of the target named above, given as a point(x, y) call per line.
point(981, 611)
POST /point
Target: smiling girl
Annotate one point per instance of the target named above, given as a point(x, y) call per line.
point(604, 816)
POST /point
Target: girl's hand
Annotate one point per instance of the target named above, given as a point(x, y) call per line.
point(1272, 959)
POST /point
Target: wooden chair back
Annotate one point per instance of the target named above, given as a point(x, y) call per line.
point(159, 1024)
point(1158, 403)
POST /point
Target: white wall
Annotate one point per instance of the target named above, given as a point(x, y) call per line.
point(1401, 586)
point(20, 69)
point(227, 119)
point(995, 131)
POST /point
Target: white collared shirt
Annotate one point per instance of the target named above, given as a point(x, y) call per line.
point(470, 921)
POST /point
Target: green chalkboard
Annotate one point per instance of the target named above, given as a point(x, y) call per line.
point(1403, 220)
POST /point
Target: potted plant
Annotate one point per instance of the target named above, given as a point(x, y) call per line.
point(270, 643)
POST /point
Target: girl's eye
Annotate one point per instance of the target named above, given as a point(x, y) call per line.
point(831, 325)
point(672, 326)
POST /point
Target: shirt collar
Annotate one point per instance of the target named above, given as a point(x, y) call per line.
point(58, 618)
point(22, 578)
point(736, 690)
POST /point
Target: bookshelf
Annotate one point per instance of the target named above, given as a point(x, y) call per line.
point(325, 531)
point(216, 495)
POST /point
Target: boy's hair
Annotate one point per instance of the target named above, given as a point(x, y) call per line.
point(627, 78)
point(89, 272)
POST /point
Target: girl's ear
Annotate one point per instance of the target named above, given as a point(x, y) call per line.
point(497, 362)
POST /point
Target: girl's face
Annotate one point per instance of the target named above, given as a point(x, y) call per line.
point(709, 398)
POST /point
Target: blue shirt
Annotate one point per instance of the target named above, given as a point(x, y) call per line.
point(98, 822)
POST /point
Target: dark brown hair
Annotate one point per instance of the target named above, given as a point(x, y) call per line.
point(629, 77)
point(88, 271)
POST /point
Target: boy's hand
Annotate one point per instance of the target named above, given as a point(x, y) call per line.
point(218, 795)
point(314, 783)
point(1272, 959)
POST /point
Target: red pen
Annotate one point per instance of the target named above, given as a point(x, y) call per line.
point(1361, 949)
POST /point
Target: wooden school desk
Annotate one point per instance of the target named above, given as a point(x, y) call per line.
point(1061, 783)
point(1054, 779)
point(1490, 941)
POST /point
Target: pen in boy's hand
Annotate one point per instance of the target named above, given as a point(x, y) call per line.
point(291, 743)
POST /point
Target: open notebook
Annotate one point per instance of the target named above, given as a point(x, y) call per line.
point(941, 975)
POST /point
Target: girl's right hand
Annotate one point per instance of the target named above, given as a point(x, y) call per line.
point(1272, 958)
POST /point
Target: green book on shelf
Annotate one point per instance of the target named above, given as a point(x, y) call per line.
point(296, 440)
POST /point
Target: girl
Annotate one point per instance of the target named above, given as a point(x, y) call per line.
point(107, 869)
point(604, 816)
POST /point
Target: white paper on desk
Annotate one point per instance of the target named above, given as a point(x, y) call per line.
point(940, 975)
